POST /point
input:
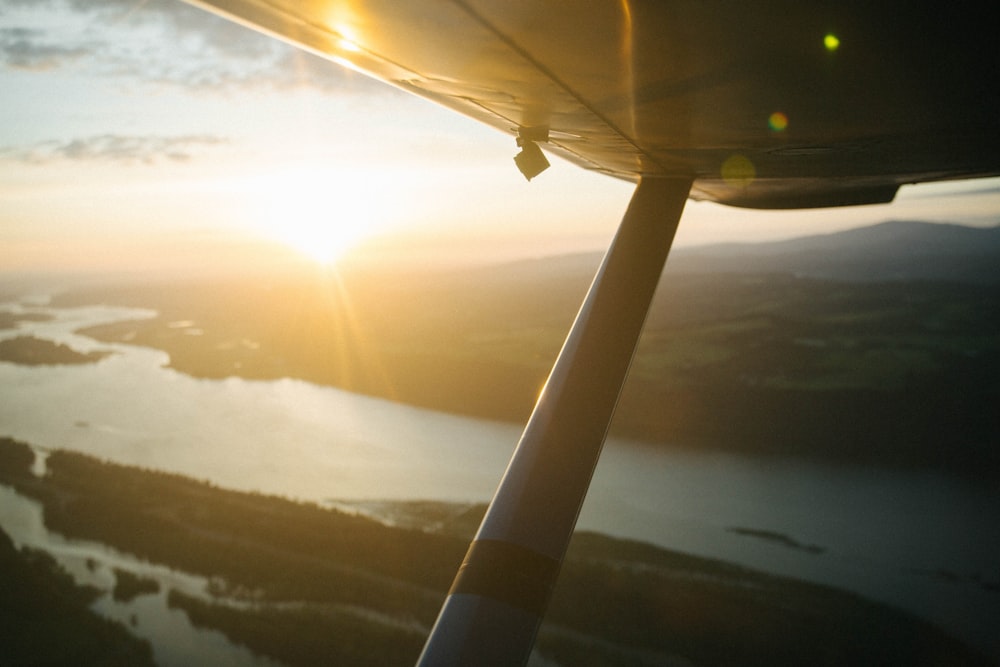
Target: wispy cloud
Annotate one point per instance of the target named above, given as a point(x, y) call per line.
point(114, 148)
point(161, 42)
point(27, 48)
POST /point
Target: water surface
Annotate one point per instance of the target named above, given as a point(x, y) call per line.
point(925, 542)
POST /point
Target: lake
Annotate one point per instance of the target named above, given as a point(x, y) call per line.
point(922, 541)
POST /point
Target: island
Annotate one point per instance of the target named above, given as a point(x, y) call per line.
point(129, 586)
point(308, 585)
point(31, 351)
point(777, 538)
point(10, 320)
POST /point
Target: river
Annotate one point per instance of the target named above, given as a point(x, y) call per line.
point(925, 542)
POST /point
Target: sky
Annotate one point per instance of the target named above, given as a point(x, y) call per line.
point(151, 134)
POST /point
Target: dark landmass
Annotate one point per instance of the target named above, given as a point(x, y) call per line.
point(901, 373)
point(31, 351)
point(777, 538)
point(9, 320)
point(45, 617)
point(129, 586)
point(321, 587)
point(309, 635)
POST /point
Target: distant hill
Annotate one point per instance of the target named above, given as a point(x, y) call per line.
point(894, 250)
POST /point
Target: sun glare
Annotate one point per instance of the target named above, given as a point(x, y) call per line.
point(323, 213)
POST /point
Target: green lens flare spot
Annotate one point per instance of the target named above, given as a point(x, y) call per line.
point(831, 42)
point(777, 121)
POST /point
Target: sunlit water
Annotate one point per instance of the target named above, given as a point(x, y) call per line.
point(924, 542)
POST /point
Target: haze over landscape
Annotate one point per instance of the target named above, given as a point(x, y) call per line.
point(260, 315)
point(848, 376)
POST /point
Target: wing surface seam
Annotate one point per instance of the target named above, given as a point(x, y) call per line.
point(548, 73)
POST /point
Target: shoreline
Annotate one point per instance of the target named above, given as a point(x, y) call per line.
point(244, 541)
point(784, 382)
point(922, 402)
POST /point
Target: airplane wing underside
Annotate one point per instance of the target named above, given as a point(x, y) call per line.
point(783, 105)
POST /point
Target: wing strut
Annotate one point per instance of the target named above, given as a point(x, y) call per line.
point(498, 598)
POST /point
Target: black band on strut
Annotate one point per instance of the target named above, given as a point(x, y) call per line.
point(509, 573)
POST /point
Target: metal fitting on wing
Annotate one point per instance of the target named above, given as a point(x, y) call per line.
point(531, 161)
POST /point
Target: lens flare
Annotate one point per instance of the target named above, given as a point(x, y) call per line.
point(831, 42)
point(738, 171)
point(777, 121)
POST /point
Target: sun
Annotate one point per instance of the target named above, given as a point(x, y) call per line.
point(321, 233)
point(322, 213)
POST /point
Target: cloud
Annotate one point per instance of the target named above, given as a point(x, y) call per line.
point(114, 148)
point(163, 42)
point(25, 48)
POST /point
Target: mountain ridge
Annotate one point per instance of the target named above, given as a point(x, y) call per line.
point(893, 250)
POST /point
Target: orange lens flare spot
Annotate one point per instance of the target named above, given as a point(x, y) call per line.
point(777, 121)
point(738, 171)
